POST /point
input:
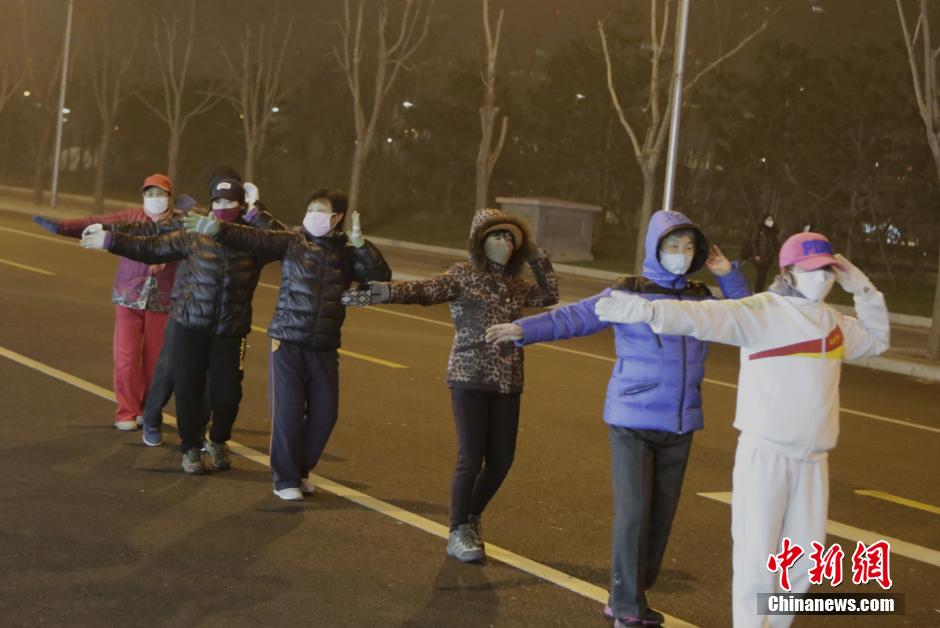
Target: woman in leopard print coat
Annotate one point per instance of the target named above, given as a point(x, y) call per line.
point(485, 380)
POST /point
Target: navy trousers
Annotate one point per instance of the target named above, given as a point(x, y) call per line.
point(304, 397)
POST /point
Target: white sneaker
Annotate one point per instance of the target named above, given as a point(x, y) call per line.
point(307, 487)
point(126, 426)
point(139, 420)
point(289, 494)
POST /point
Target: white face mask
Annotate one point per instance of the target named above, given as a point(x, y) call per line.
point(156, 205)
point(675, 263)
point(498, 250)
point(318, 223)
point(814, 284)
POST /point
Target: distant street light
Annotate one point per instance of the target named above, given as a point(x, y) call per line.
point(407, 104)
point(27, 94)
point(66, 110)
point(388, 140)
point(275, 109)
point(580, 96)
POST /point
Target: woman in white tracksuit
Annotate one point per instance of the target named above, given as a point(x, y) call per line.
point(792, 348)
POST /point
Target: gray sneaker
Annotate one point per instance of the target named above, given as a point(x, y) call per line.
point(474, 521)
point(218, 456)
point(464, 544)
point(192, 462)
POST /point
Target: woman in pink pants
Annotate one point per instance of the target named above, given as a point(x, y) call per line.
point(141, 297)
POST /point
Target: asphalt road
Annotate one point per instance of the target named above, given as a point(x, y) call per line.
point(96, 529)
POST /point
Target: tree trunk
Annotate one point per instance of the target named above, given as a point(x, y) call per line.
point(355, 180)
point(646, 210)
point(173, 155)
point(249, 170)
point(39, 165)
point(483, 154)
point(104, 143)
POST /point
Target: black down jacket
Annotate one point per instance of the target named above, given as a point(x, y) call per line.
point(314, 274)
point(214, 283)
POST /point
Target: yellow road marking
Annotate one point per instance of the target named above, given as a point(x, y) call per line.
point(352, 354)
point(59, 240)
point(526, 565)
point(32, 269)
point(851, 533)
point(904, 501)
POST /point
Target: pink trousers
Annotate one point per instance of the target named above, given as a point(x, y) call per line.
point(138, 337)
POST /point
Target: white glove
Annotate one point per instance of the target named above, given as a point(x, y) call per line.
point(251, 194)
point(94, 237)
point(90, 229)
point(504, 332)
point(852, 279)
point(621, 307)
point(355, 236)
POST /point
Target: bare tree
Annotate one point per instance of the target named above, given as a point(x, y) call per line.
point(12, 76)
point(256, 74)
point(487, 154)
point(110, 61)
point(654, 125)
point(173, 65)
point(389, 59)
point(924, 75)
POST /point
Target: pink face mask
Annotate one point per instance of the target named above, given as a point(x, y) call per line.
point(229, 214)
point(318, 223)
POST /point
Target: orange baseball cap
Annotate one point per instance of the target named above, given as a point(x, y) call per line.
point(159, 181)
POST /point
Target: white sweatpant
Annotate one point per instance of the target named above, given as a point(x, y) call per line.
point(774, 496)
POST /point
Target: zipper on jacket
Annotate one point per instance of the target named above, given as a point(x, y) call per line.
point(682, 395)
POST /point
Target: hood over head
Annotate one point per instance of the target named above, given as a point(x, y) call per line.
point(486, 221)
point(662, 223)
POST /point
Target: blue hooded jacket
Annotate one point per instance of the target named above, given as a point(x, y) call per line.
point(655, 384)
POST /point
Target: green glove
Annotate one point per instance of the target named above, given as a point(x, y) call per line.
point(206, 225)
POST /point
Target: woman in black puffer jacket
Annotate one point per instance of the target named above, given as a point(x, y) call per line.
point(317, 265)
point(212, 312)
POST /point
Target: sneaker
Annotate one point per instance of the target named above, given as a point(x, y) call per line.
point(152, 436)
point(218, 456)
point(474, 521)
point(192, 462)
point(307, 487)
point(622, 622)
point(650, 618)
point(653, 618)
point(463, 544)
point(292, 494)
point(126, 426)
point(139, 420)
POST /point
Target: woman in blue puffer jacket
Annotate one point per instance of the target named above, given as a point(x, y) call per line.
point(653, 403)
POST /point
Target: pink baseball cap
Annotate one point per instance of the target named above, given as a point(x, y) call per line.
point(809, 251)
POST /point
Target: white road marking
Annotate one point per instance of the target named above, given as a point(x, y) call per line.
point(543, 572)
point(853, 534)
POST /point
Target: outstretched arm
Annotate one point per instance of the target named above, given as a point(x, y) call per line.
point(869, 333)
point(169, 247)
point(575, 319)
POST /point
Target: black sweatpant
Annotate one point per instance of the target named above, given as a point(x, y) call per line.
point(648, 467)
point(304, 390)
point(487, 424)
point(200, 355)
point(161, 386)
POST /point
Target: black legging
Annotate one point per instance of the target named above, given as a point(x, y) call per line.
point(487, 423)
point(161, 386)
point(200, 355)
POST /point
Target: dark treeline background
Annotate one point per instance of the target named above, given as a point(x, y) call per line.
point(813, 121)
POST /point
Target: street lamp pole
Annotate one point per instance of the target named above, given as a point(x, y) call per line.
point(59, 116)
point(681, 32)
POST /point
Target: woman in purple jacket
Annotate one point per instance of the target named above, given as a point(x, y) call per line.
point(653, 402)
point(141, 296)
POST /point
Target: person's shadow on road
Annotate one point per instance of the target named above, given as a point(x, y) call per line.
point(461, 595)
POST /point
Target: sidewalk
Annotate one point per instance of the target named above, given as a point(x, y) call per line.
point(907, 355)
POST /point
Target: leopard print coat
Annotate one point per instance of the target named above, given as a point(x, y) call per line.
point(481, 293)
